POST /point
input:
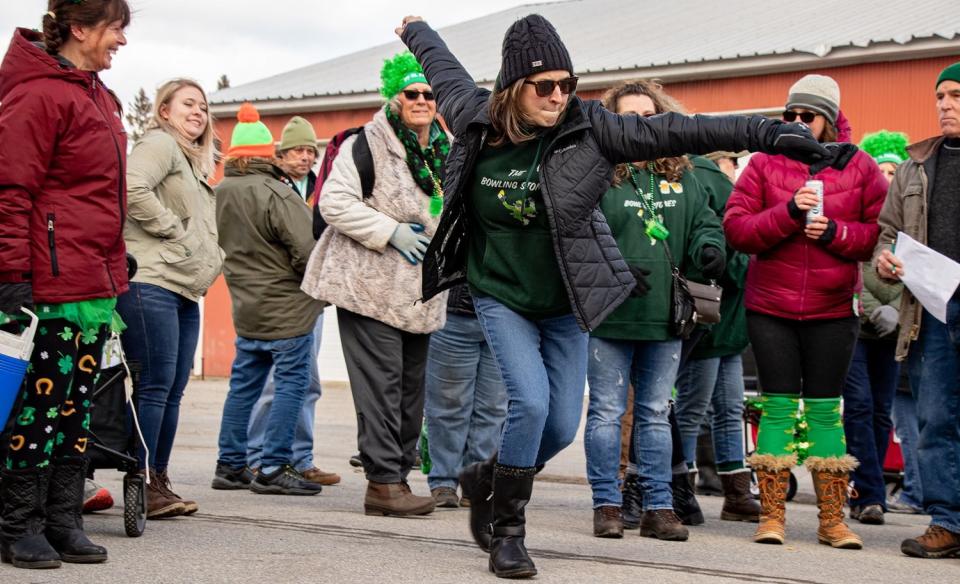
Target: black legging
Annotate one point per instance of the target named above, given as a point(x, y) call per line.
point(802, 357)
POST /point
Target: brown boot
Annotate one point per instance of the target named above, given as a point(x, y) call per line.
point(830, 480)
point(936, 542)
point(773, 476)
point(663, 524)
point(189, 507)
point(395, 499)
point(607, 522)
point(738, 503)
point(321, 477)
point(161, 505)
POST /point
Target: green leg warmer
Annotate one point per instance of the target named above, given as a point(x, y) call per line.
point(777, 424)
point(825, 433)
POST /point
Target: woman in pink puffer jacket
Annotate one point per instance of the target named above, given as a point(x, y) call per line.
point(801, 304)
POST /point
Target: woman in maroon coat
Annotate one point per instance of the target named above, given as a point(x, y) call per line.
point(62, 201)
point(802, 313)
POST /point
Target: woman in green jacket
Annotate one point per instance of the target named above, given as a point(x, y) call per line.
point(658, 214)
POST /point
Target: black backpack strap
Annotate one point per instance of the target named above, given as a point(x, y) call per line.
point(363, 158)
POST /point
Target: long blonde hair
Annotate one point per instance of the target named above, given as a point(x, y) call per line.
point(671, 167)
point(201, 153)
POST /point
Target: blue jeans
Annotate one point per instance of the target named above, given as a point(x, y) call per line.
point(161, 335)
point(867, 400)
point(652, 368)
point(935, 380)
point(717, 381)
point(302, 458)
point(905, 424)
point(544, 369)
point(465, 399)
point(290, 359)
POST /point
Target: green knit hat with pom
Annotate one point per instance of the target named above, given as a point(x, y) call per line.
point(399, 72)
point(250, 137)
point(886, 146)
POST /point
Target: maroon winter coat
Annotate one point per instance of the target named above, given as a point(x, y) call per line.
point(62, 178)
point(790, 275)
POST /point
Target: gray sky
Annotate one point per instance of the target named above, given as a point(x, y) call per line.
point(246, 39)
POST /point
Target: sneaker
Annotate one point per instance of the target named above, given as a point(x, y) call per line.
point(284, 481)
point(663, 524)
point(445, 497)
point(315, 475)
point(230, 478)
point(898, 506)
point(607, 522)
point(355, 461)
point(868, 514)
point(95, 497)
point(936, 542)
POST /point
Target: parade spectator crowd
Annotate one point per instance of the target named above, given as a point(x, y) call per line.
point(494, 257)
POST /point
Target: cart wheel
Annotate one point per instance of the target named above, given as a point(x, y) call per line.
point(134, 505)
point(792, 489)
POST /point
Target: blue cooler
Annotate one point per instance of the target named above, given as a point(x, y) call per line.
point(14, 357)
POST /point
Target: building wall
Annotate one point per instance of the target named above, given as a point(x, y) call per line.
point(895, 95)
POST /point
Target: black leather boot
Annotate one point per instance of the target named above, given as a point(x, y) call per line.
point(476, 482)
point(22, 543)
point(684, 501)
point(632, 502)
point(511, 493)
point(64, 514)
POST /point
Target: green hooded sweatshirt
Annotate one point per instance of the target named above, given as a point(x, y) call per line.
point(729, 336)
point(683, 209)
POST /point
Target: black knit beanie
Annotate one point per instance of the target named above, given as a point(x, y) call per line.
point(531, 45)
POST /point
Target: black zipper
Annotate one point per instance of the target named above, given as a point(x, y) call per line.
point(51, 241)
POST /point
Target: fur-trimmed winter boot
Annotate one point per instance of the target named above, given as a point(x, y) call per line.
point(773, 476)
point(831, 476)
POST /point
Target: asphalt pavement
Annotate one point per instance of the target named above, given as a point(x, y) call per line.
point(241, 537)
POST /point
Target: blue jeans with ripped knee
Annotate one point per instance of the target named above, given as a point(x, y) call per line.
point(652, 368)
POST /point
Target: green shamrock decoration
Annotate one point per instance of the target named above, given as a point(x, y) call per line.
point(53, 412)
point(66, 364)
point(66, 334)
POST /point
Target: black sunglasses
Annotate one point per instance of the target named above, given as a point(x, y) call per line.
point(545, 87)
point(413, 94)
point(805, 117)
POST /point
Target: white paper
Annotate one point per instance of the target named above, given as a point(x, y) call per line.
point(931, 276)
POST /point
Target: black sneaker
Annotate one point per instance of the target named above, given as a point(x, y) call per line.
point(284, 481)
point(230, 478)
point(355, 461)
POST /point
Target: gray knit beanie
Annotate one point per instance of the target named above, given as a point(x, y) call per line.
point(531, 45)
point(817, 93)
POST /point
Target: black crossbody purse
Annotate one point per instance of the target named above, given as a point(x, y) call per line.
point(691, 303)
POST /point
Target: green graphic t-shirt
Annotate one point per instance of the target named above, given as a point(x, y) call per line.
point(511, 256)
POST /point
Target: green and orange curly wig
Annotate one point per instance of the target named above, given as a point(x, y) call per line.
point(399, 72)
point(886, 146)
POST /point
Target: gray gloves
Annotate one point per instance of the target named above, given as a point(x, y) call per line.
point(885, 319)
point(409, 240)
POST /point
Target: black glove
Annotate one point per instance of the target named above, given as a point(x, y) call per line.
point(838, 156)
point(713, 262)
point(642, 287)
point(15, 295)
point(827, 236)
point(792, 140)
point(131, 266)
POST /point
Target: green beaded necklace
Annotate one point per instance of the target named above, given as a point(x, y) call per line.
point(654, 228)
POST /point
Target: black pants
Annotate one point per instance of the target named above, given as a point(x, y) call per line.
point(802, 357)
point(386, 369)
point(52, 417)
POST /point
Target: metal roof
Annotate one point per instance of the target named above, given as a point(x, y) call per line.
point(605, 36)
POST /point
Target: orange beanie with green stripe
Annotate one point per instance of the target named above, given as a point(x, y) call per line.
point(251, 137)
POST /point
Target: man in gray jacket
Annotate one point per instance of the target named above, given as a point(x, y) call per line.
point(924, 203)
point(265, 231)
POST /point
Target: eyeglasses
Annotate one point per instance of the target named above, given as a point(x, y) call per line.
point(413, 94)
point(545, 87)
point(805, 117)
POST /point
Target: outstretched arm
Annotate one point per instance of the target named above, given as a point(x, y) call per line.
point(457, 94)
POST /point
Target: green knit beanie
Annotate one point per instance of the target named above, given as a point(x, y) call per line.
point(298, 132)
point(399, 72)
point(250, 137)
point(951, 73)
